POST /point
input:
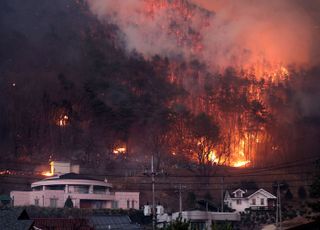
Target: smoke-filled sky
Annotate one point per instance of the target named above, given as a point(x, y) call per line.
point(236, 33)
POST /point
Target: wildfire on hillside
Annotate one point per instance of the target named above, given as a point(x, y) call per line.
point(185, 29)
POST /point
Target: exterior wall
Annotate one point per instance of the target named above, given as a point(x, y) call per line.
point(89, 199)
point(44, 197)
point(20, 198)
point(75, 168)
point(58, 167)
point(240, 207)
point(124, 197)
point(258, 196)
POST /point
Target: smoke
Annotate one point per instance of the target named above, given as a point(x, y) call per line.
point(220, 33)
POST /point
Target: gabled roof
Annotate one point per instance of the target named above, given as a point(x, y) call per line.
point(239, 189)
point(264, 192)
point(250, 193)
point(11, 219)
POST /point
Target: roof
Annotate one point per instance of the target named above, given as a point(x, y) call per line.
point(12, 219)
point(251, 192)
point(72, 176)
point(265, 192)
point(113, 222)
point(239, 189)
point(62, 223)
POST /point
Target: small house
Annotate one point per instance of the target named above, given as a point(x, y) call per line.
point(242, 199)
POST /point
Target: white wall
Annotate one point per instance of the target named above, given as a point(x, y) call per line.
point(123, 197)
point(28, 198)
point(258, 196)
point(240, 207)
point(20, 198)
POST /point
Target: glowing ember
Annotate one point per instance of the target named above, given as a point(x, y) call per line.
point(120, 150)
point(47, 174)
point(6, 172)
point(63, 121)
point(241, 163)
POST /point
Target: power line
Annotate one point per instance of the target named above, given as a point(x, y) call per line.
point(276, 166)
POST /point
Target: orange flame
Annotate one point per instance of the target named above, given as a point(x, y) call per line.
point(120, 150)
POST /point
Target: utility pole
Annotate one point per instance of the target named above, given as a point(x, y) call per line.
point(153, 197)
point(222, 198)
point(278, 212)
point(180, 188)
point(153, 174)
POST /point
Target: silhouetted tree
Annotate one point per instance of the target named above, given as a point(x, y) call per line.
point(288, 195)
point(302, 193)
point(191, 200)
point(68, 203)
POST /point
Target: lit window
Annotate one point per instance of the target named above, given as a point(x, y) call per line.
point(253, 201)
point(262, 201)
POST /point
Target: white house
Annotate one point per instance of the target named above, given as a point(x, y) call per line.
point(85, 192)
point(242, 199)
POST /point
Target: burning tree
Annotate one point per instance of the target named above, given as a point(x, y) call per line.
point(204, 139)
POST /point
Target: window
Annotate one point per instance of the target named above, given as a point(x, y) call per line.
point(262, 201)
point(98, 204)
point(55, 187)
point(36, 202)
point(53, 202)
point(253, 201)
point(38, 188)
point(238, 202)
point(114, 204)
point(132, 204)
point(83, 189)
point(128, 203)
point(99, 189)
point(238, 194)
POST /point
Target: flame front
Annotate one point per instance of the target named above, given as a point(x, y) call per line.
point(241, 54)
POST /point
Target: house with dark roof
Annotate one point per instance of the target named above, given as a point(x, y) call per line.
point(242, 199)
